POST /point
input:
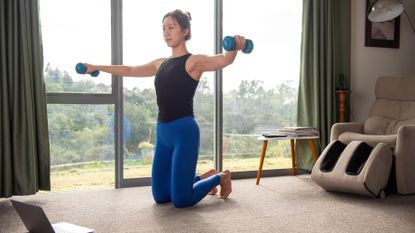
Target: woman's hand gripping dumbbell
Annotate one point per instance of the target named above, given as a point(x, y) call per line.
point(81, 68)
point(229, 44)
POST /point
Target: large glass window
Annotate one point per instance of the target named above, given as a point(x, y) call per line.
point(143, 42)
point(260, 89)
point(75, 31)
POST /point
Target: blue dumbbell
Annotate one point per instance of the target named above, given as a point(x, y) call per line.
point(229, 44)
point(81, 69)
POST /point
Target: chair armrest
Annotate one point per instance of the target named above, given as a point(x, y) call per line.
point(406, 132)
point(338, 128)
point(405, 145)
point(404, 159)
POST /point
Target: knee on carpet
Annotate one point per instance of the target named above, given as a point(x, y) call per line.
point(161, 199)
point(182, 202)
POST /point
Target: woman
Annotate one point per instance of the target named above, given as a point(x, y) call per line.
point(177, 143)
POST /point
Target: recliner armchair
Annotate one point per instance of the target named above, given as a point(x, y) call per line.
point(391, 121)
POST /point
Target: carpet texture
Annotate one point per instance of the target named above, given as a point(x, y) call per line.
point(278, 204)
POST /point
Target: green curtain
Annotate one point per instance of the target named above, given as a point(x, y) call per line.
point(24, 140)
point(325, 55)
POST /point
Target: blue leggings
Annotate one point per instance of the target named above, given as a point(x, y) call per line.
point(174, 165)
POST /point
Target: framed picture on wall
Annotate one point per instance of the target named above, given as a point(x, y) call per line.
point(381, 34)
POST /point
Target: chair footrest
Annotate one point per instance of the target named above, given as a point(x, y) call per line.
point(354, 168)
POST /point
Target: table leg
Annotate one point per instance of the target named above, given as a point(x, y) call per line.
point(310, 142)
point(293, 155)
point(261, 162)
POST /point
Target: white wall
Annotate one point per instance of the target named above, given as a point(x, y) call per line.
point(368, 63)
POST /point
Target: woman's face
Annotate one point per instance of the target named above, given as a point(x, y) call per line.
point(172, 32)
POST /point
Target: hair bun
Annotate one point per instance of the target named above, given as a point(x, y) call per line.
point(188, 15)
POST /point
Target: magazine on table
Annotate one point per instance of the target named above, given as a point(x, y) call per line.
point(292, 132)
point(299, 131)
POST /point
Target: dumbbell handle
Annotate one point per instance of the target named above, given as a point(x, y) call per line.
point(229, 44)
point(81, 69)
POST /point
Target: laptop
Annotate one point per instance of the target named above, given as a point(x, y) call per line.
point(36, 221)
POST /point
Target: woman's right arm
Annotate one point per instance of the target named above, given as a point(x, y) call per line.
point(146, 70)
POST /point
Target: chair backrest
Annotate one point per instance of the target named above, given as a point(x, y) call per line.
point(394, 105)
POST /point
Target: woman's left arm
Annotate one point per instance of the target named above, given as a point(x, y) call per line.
point(202, 63)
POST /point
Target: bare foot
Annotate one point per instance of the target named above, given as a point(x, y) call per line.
point(225, 184)
point(207, 174)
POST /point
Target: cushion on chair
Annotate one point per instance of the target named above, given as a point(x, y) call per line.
point(394, 106)
point(386, 116)
point(372, 140)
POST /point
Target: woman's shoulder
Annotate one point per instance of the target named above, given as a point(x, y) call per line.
point(157, 63)
point(192, 63)
point(159, 60)
point(196, 58)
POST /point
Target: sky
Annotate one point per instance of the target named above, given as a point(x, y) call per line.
point(80, 31)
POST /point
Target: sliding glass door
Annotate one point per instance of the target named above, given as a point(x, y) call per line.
point(80, 108)
point(260, 89)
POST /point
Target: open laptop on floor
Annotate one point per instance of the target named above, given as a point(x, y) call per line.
point(36, 221)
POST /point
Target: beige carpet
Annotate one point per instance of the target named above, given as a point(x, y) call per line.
point(279, 204)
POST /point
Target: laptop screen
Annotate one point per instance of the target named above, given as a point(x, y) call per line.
point(33, 217)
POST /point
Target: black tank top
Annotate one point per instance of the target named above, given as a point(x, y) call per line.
point(175, 89)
